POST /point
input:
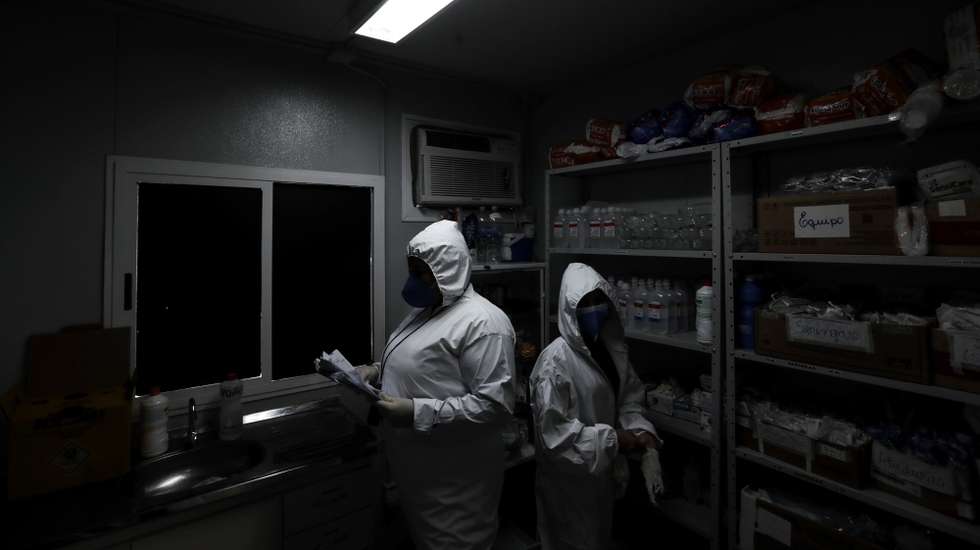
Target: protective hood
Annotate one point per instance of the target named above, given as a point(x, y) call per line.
point(578, 280)
point(442, 247)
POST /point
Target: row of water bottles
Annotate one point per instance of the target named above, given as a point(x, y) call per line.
point(663, 307)
point(625, 228)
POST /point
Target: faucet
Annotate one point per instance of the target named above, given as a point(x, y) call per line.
point(191, 424)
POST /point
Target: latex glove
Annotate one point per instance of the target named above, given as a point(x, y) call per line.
point(399, 411)
point(627, 440)
point(368, 373)
point(652, 474)
point(649, 441)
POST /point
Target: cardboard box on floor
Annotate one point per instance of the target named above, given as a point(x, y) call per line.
point(854, 222)
point(80, 435)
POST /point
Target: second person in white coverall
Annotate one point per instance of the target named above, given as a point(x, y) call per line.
point(588, 408)
point(448, 385)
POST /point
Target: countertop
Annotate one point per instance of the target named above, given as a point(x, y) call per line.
point(299, 444)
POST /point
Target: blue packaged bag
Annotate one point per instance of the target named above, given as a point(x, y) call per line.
point(740, 126)
point(646, 127)
point(677, 119)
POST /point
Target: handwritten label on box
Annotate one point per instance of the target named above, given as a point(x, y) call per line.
point(965, 351)
point(833, 452)
point(828, 221)
point(849, 335)
point(952, 209)
point(903, 467)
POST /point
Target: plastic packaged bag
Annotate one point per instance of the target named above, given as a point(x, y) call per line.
point(605, 133)
point(962, 29)
point(829, 108)
point(781, 114)
point(676, 120)
point(912, 230)
point(645, 127)
point(706, 122)
point(751, 86)
point(847, 179)
point(652, 473)
point(709, 91)
point(965, 318)
point(659, 145)
point(740, 126)
point(577, 152)
point(921, 109)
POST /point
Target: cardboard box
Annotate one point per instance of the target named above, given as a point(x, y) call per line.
point(786, 446)
point(944, 504)
point(77, 360)
point(59, 443)
point(778, 528)
point(859, 222)
point(965, 376)
point(848, 465)
point(954, 227)
point(952, 481)
point(898, 351)
point(662, 403)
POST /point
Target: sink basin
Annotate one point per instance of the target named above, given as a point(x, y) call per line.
point(205, 467)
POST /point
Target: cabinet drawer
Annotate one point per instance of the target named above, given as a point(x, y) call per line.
point(354, 532)
point(328, 499)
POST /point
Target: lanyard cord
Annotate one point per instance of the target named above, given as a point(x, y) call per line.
point(385, 356)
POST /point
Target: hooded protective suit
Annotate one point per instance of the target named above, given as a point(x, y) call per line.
point(576, 416)
point(457, 365)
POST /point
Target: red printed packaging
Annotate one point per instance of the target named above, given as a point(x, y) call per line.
point(752, 86)
point(710, 90)
point(834, 107)
point(781, 114)
point(606, 133)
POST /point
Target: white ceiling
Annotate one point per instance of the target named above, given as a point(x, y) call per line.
point(534, 45)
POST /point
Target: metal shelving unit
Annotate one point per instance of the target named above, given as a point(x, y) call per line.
point(911, 387)
point(878, 499)
point(515, 266)
point(572, 186)
point(681, 428)
point(703, 254)
point(748, 167)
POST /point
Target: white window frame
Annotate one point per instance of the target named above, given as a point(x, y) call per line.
point(123, 176)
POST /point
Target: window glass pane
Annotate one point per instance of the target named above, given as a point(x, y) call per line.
point(199, 282)
point(321, 275)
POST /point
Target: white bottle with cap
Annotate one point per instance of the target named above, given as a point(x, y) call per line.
point(230, 415)
point(153, 415)
point(705, 326)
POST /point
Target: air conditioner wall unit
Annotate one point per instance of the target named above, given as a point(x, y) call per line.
point(454, 168)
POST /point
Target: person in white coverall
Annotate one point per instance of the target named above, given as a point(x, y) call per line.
point(448, 385)
point(588, 406)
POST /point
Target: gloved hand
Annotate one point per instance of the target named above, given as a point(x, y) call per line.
point(652, 474)
point(368, 373)
point(399, 411)
point(649, 441)
point(627, 440)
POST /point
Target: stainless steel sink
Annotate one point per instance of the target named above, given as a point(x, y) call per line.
point(205, 467)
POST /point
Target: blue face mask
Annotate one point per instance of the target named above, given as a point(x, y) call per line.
point(591, 319)
point(418, 294)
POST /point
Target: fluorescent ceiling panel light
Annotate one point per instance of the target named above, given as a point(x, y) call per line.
point(396, 18)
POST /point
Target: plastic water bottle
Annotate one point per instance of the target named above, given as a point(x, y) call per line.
point(595, 228)
point(495, 237)
point(640, 297)
point(623, 299)
point(558, 229)
point(705, 326)
point(230, 414)
point(153, 415)
point(609, 229)
point(684, 306)
point(749, 297)
point(656, 312)
point(672, 321)
point(572, 228)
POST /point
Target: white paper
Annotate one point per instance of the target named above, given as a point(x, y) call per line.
point(773, 526)
point(912, 470)
point(965, 351)
point(833, 452)
point(829, 221)
point(337, 367)
point(948, 209)
point(851, 335)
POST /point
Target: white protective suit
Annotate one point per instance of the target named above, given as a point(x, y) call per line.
point(576, 418)
point(457, 365)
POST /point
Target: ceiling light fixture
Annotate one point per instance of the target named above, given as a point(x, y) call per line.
point(395, 19)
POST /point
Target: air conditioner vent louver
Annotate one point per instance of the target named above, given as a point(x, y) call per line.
point(456, 177)
point(453, 168)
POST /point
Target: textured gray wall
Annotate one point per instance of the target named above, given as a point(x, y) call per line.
point(814, 49)
point(91, 81)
